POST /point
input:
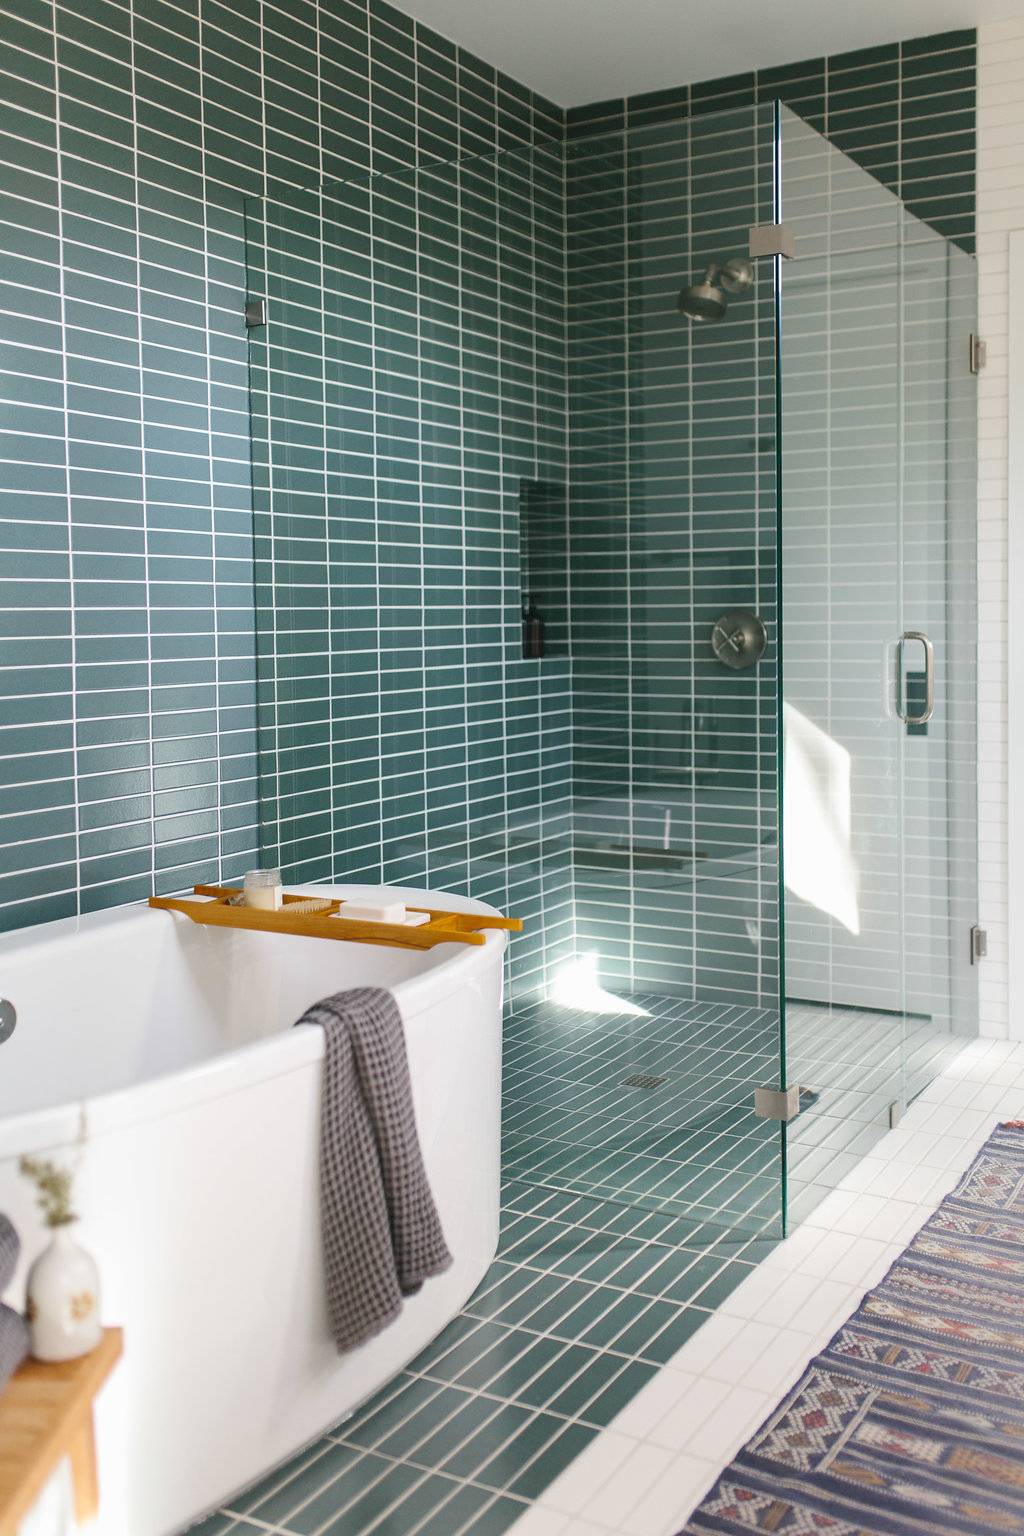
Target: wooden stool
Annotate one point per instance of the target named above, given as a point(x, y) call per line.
point(45, 1415)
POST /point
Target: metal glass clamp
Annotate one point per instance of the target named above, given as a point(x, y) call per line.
point(771, 240)
point(777, 1103)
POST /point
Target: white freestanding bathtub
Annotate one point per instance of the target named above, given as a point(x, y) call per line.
point(197, 1186)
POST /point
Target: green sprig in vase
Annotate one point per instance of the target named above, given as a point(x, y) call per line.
point(63, 1291)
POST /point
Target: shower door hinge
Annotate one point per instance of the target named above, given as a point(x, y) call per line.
point(771, 240)
point(979, 944)
point(978, 354)
point(255, 313)
point(777, 1103)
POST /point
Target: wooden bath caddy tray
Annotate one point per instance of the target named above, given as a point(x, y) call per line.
point(442, 927)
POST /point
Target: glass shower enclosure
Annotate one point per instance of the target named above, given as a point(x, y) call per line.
point(655, 631)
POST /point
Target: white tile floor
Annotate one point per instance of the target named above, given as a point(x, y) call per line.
point(644, 1474)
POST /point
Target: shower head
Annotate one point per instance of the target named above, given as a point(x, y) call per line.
point(704, 300)
point(708, 299)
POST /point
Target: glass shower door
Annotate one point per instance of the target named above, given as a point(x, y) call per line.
point(878, 659)
point(939, 597)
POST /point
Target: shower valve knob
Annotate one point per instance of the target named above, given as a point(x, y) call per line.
point(739, 639)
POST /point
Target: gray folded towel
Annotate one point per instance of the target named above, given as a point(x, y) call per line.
point(381, 1232)
point(13, 1343)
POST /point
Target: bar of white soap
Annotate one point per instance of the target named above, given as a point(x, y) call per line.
point(373, 911)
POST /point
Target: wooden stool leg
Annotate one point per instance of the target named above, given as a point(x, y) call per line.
point(82, 1455)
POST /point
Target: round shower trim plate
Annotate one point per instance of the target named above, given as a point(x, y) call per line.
point(739, 639)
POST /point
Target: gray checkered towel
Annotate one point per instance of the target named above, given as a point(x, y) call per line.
point(13, 1343)
point(381, 1233)
point(13, 1330)
point(10, 1247)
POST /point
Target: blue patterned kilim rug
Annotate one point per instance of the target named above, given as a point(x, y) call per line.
point(912, 1419)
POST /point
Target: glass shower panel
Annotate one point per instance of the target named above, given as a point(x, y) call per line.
point(287, 427)
point(504, 491)
point(877, 561)
point(672, 527)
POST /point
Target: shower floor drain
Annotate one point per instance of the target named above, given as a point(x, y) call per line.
point(642, 1080)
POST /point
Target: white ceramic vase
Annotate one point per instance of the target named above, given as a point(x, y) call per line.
point(63, 1300)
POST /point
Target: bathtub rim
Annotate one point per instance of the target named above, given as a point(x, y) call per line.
point(290, 1050)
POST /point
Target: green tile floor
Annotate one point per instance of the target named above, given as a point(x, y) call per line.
point(594, 1286)
point(584, 1302)
point(686, 1141)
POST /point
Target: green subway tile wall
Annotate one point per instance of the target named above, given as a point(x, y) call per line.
point(904, 111)
point(409, 401)
point(132, 134)
point(132, 137)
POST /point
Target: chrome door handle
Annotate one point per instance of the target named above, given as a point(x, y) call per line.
point(929, 677)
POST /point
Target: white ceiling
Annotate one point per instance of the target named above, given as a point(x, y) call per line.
point(576, 51)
